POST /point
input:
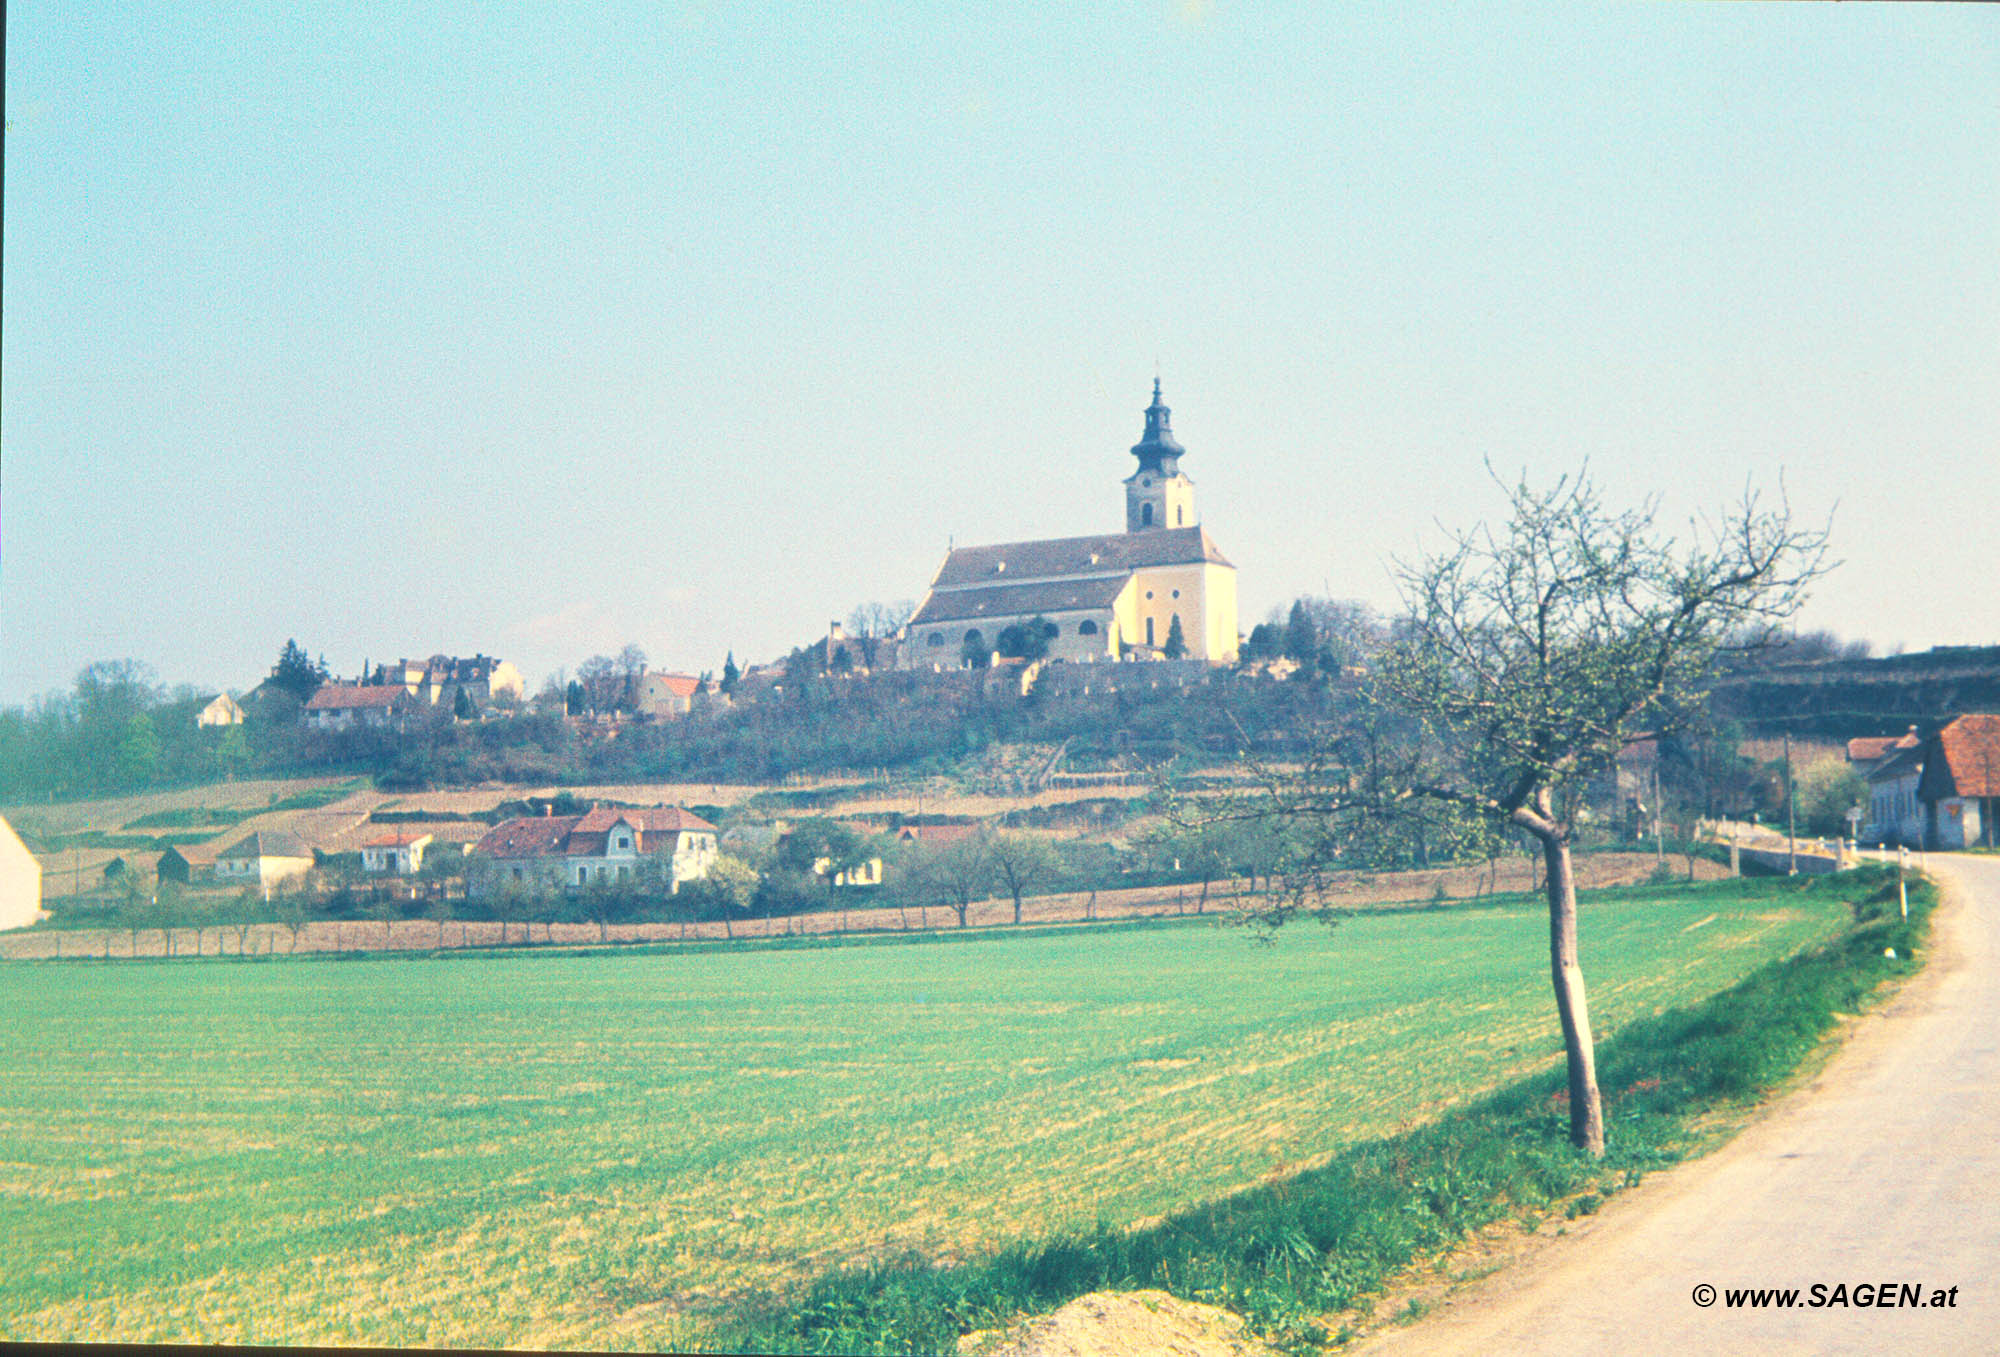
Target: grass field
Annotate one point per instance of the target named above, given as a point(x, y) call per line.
point(595, 1151)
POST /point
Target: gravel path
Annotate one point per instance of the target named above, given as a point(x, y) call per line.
point(1883, 1169)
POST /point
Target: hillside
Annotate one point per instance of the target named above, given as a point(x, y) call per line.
point(1842, 698)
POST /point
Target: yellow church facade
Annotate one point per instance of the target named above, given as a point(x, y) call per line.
point(1116, 596)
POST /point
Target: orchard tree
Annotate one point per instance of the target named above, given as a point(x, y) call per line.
point(1533, 653)
point(1020, 863)
point(955, 871)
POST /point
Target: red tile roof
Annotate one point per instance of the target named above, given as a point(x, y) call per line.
point(348, 696)
point(535, 836)
point(1965, 759)
point(399, 840)
point(680, 685)
point(1869, 747)
point(531, 836)
point(651, 819)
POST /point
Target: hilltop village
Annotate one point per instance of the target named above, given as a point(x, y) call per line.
point(1066, 673)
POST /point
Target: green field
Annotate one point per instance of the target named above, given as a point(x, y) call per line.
point(594, 1151)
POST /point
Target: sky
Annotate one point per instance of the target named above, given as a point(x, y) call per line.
point(538, 331)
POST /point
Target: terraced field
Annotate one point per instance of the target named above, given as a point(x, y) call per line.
point(595, 1151)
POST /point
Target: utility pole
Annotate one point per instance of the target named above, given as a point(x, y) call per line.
point(1791, 814)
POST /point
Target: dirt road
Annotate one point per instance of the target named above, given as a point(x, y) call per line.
point(1884, 1169)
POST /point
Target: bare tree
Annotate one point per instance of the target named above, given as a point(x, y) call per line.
point(956, 872)
point(1021, 862)
point(631, 663)
point(1533, 654)
point(872, 623)
point(603, 680)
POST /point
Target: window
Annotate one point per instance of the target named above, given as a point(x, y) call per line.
point(1149, 593)
point(1086, 628)
point(1149, 628)
point(936, 638)
point(624, 841)
point(1146, 514)
point(1179, 518)
point(1177, 593)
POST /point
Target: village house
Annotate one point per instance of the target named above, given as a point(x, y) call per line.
point(1960, 783)
point(223, 711)
point(659, 847)
point(483, 679)
point(1866, 753)
point(865, 873)
point(1941, 792)
point(1109, 597)
point(342, 706)
point(20, 881)
point(665, 695)
point(401, 854)
point(263, 859)
point(1894, 813)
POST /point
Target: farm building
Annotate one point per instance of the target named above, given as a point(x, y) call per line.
point(187, 863)
point(666, 695)
point(20, 881)
point(661, 846)
point(340, 706)
point(263, 859)
point(402, 854)
point(1960, 783)
point(1941, 792)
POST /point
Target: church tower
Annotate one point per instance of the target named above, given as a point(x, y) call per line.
point(1158, 494)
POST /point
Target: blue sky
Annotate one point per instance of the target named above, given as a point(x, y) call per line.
point(696, 326)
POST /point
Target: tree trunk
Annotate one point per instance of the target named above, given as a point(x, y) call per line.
point(1586, 1111)
point(1017, 906)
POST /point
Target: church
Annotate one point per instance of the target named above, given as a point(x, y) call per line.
point(1112, 597)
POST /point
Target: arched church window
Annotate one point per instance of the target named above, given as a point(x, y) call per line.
point(1086, 628)
point(1146, 514)
point(936, 638)
point(1149, 631)
point(1178, 516)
